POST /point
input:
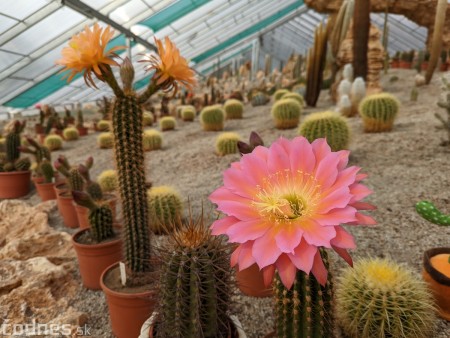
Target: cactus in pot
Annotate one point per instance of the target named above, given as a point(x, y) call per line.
point(12, 161)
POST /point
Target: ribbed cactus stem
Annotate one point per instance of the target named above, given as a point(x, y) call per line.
point(46, 169)
point(13, 142)
point(305, 310)
point(129, 157)
point(75, 180)
point(432, 214)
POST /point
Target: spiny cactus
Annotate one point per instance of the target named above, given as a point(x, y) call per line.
point(347, 72)
point(71, 134)
point(74, 178)
point(148, 119)
point(100, 217)
point(104, 125)
point(13, 141)
point(344, 88)
point(53, 142)
point(188, 113)
point(165, 208)
point(108, 180)
point(46, 170)
point(195, 285)
point(152, 140)
point(234, 109)
point(345, 106)
point(226, 143)
point(286, 113)
point(378, 298)
point(446, 105)
point(329, 125)
point(22, 164)
point(279, 94)
point(432, 214)
point(357, 94)
point(378, 112)
point(304, 311)
point(105, 140)
point(254, 141)
point(259, 99)
point(212, 118)
point(92, 188)
point(80, 119)
point(296, 97)
point(167, 123)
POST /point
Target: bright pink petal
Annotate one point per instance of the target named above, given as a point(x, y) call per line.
point(301, 156)
point(316, 234)
point(343, 239)
point(363, 206)
point(363, 220)
point(289, 237)
point(360, 177)
point(234, 258)
point(286, 270)
point(220, 227)
point(303, 256)
point(344, 254)
point(239, 182)
point(233, 205)
point(246, 258)
point(326, 171)
point(261, 152)
point(337, 216)
point(338, 198)
point(256, 166)
point(265, 249)
point(244, 231)
point(359, 191)
point(321, 149)
point(318, 270)
point(343, 159)
point(346, 177)
point(268, 274)
point(278, 159)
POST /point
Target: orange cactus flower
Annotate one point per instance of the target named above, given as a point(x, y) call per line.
point(86, 53)
point(171, 69)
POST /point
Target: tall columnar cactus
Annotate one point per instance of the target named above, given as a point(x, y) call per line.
point(357, 94)
point(165, 208)
point(195, 285)
point(212, 118)
point(13, 141)
point(379, 298)
point(378, 112)
point(329, 125)
point(46, 170)
point(100, 217)
point(432, 214)
point(226, 143)
point(152, 140)
point(286, 113)
point(347, 72)
point(80, 119)
point(234, 109)
point(446, 105)
point(361, 29)
point(304, 311)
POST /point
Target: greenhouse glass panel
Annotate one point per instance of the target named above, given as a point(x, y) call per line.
point(44, 31)
point(20, 9)
point(7, 59)
point(41, 64)
point(6, 23)
point(97, 4)
point(9, 85)
point(128, 11)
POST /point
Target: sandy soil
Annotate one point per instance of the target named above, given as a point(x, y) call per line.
point(404, 166)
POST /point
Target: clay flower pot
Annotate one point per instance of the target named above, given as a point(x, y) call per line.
point(46, 191)
point(147, 330)
point(14, 184)
point(443, 67)
point(405, 65)
point(83, 131)
point(394, 64)
point(93, 259)
point(251, 282)
point(67, 209)
point(127, 311)
point(436, 272)
point(83, 212)
point(39, 129)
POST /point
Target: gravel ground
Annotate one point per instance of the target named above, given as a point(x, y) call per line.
point(404, 166)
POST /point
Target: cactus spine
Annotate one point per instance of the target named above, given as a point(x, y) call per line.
point(105, 140)
point(108, 180)
point(53, 142)
point(305, 310)
point(327, 125)
point(379, 299)
point(429, 212)
point(152, 140)
point(212, 118)
point(12, 142)
point(378, 112)
point(167, 123)
point(165, 208)
point(286, 113)
point(226, 143)
point(233, 109)
point(195, 290)
point(188, 113)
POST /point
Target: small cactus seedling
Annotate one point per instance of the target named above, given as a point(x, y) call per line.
point(378, 112)
point(414, 94)
point(226, 143)
point(234, 109)
point(212, 118)
point(152, 140)
point(329, 125)
point(165, 208)
point(105, 140)
point(195, 284)
point(167, 123)
point(286, 113)
point(71, 134)
point(108, 180)
point(254, 141)
point(53, 142)
point(379, 299)
point(432, 214)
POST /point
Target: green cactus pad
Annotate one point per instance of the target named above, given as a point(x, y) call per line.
point(429, 212)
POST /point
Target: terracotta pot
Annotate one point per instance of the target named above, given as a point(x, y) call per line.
point(443, 67)
point(394, 64)
point(95, 258)
point(147, 330)
point(405, 65)
point(46, 191)
point(60, 187)
point(438, 282)
point(251, 282)
point(67, 209)
point(83, 131)
point(14, 184)
point(39, 129)
point(83, 212)
point(127, 311)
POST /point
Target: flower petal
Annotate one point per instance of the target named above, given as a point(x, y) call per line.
point(303, 257)
point(243, 231)
point(246, 258)
point(301, 156)
point(278, 159)
point(265, 249)
point(289, 237)
point(338, 198)
point(221, 226)
point(326, 171)
point(268, 274)
point(343, 239)
point(286, 270)
point(321, 149)
point(318, 270)
point(316, 234)
point(337, 216)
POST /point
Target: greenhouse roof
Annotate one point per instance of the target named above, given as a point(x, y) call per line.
point(33, 33)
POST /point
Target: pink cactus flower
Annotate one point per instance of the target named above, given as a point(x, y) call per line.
point(285, 202)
